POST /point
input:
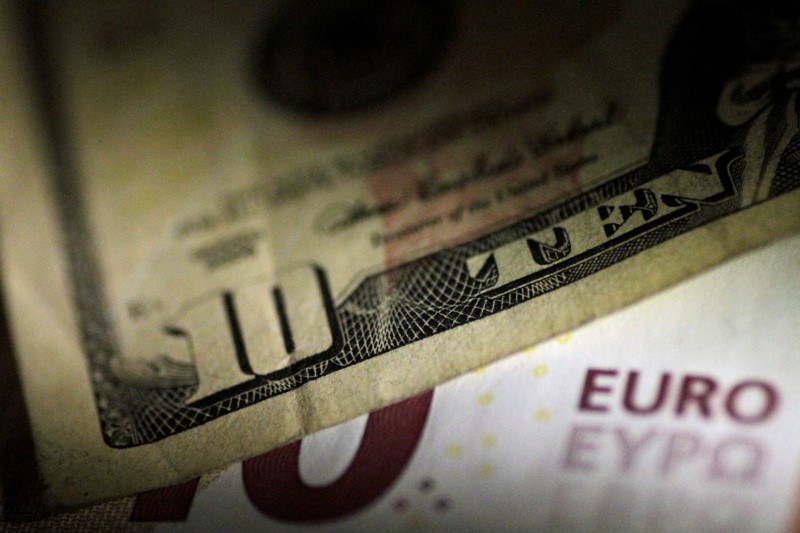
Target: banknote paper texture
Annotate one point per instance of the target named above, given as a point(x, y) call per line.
point(224, 228)
point(580, 433)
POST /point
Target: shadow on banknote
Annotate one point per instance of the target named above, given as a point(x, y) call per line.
point(22, 484)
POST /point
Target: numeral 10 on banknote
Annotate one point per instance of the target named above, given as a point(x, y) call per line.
point(258, 329)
